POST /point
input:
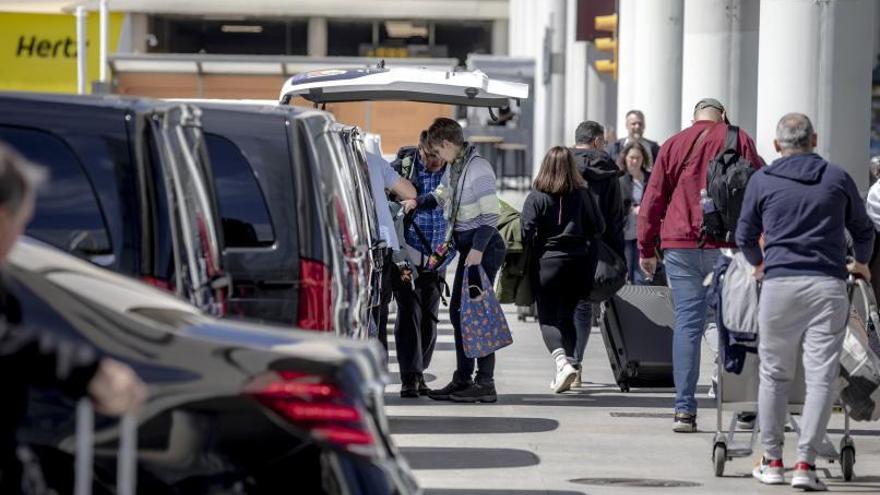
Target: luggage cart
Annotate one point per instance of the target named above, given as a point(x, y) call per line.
point(737, 393)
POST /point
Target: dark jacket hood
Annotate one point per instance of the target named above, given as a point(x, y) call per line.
point(595, 165)
point(806, 168)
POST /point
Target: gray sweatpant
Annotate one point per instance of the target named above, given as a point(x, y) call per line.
point(794, 312)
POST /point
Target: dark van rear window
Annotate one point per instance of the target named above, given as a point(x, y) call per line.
point(67, 215)
point(246, 220)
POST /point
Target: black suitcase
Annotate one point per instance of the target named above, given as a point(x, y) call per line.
point(636, 325)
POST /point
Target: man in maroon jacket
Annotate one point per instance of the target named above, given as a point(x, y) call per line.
point(671, 212)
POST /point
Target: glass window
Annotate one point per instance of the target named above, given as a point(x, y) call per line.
point(249, 36)
point(246, 220)
point(67, 215)
point(344, 38)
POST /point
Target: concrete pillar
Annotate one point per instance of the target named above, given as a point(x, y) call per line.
point(499, 37)
point(317, 43)
point(832, 87)
point(626, 60)
point(575, 75)
point(720, 58)
point(657, 67)
point(556, 117)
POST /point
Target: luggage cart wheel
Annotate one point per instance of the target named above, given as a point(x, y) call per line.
point(719, 457)
point(623, 387)
point(847, 460)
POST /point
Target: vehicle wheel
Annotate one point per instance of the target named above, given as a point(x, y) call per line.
point(847, 460)
point(719, 457)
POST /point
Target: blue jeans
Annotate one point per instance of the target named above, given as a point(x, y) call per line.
point(634, 271)
point(686, 269)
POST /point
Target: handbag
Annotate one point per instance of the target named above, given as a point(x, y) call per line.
point(610, 273)
point(484, 328)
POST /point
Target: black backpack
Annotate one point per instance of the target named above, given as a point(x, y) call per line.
point(726, 179)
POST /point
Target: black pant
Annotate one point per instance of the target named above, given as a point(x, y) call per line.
point(415, 332)
point(380, 312)
point(493, 257)
point(561, 282)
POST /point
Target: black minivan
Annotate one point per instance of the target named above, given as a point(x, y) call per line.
point(297, 215)
point(129, 188)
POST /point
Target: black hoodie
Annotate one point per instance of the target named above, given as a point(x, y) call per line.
point(601, 174)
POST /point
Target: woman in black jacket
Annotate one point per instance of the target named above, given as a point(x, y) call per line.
point(635, 161)
point(559, 219)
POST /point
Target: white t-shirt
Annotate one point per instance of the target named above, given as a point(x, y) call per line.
point(382, 177)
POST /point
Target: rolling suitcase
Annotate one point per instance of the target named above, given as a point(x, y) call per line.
point(636, 324)
point(126, 467)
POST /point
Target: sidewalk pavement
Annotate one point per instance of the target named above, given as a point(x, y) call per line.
point(593, 440)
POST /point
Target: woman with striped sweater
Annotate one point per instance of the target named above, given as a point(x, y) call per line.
point(467, 196)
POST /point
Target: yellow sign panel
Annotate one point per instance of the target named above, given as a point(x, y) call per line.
point(38, 51)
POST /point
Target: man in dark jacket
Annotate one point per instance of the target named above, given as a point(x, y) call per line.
point(801, 204)
point(635, 128)
point(601, 174)
point(671, 209)
point(29, 358)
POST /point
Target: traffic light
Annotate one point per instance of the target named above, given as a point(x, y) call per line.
point(608, 24)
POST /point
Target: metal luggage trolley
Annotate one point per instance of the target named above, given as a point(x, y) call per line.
point(737, 393)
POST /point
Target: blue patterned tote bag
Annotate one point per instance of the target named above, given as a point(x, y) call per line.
point(484, 328)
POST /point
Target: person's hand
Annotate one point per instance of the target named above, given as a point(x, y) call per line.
point(636, 209)
point(859, 270)
point(408, 205)
point(758, 272)
point(649, 266)
point(116, 388)
point(474, 258)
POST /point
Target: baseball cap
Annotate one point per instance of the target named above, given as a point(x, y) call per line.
point(711, 103)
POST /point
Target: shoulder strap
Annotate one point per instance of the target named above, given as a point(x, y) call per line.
point(696, 145)
point(732, 141)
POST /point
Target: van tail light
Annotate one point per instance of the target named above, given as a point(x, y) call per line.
point(321, 408)
point(158, 283)
point(315, 301)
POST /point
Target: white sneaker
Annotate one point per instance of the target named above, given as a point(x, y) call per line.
point(769, 472)
point(578, 383)
point(805, 478)
point(564, 378)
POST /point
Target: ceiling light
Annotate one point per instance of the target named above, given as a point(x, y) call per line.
point(241, 28)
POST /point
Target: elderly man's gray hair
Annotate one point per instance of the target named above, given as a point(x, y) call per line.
point(18, 178)
point(794, 132)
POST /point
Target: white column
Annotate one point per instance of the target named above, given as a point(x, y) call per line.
point(499, 37)
point(104, 35)
point(575, 75)
point(657, 71)
point(845, 101)
point(831, 86)
point(627, 39)
point(556, 116)
point(720, 58)
point(317, 42)
point(81, 53)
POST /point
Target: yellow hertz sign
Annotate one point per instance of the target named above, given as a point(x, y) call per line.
point(38, 51)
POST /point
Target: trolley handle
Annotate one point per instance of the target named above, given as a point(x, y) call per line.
point(126, 468)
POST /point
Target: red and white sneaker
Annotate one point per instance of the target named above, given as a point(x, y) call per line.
point(769, 471)
point(805, 478)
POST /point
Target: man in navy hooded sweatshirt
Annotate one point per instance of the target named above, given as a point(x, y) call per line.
point(801, 204)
